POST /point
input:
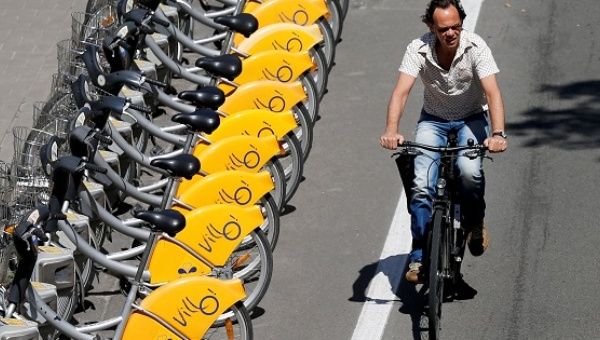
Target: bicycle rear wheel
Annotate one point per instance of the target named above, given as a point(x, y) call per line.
point(437, 260)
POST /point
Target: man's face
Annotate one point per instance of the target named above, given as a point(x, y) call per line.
point(447, 26)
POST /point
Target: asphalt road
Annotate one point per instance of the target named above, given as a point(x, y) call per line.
point(540, 276)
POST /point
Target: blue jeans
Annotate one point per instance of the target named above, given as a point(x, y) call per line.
point(434, 131)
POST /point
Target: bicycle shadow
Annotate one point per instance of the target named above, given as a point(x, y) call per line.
point(392, 267)
point(412, 298)
point(570, 121)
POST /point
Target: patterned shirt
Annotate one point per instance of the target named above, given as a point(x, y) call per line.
point(456, 93)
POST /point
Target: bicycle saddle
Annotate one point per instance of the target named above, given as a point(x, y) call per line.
point(201, 120)
point(243, 23)
point(208, 96)
point(168, 221)
point(182, 165)
point(227, 65)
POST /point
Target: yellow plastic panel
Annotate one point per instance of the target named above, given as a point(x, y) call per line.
point(191, 305)
point(215, 231)
point(140, 326)
point(170, 262)
point(257, 123)
point(298, 12)
point(226, 187)
point(264, 94)
point(279, 65)
point(246, 153)
point(282, 36)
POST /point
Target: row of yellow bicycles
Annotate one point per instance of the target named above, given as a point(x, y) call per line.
point(180, 129)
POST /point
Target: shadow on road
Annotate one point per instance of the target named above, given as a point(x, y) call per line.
point(570, 119)
point(392, 267)
point(413, 298)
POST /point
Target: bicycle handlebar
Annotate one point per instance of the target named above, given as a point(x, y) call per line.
point(474, 150)
point(443, 149)
point(95, 168)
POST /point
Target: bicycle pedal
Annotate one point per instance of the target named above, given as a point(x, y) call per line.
point(12, 329)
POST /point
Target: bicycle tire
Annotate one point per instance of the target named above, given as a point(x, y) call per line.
point(240, 317)
point(321, 72)
point(312, 101)
point(336, 19)
point(292, 164)
point(272, 223)
point(304, 131)
point(437, 260)
point(328, 43)
point(276, 170)
point(344, 6)
point(256, 275)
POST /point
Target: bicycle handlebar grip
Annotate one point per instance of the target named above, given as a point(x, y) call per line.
point(95, 168)
point(102, 138)
point(156, 82)
point(163, 23)
point(141, 108)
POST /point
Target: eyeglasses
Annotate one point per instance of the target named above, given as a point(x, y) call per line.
point(442, 30)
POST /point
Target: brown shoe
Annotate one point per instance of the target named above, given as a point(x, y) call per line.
point(413, 275)
point(478, 240)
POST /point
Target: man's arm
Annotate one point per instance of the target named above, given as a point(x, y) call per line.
point(496, 109)
point(391, 138)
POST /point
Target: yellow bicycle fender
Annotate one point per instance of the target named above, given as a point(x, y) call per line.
point(257, 123)
point(215, 231)
point(264, 94)
point(282, 36)
point(279, 65)
point(299, 12)
point(226, 187)
point(190, 305)
point(247, 153)
point(170, 262)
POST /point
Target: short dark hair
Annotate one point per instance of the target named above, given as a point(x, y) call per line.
point(434, 4)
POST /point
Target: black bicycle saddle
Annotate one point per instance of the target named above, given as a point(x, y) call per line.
point(243, 23)
point(182, 165)
point(227, 65)
point(168, 221)
point(201, 120)
point(208, 96)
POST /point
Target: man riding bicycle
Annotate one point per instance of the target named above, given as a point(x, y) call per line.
point(461, 94)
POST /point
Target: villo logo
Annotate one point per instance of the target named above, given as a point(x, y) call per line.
point(283, 74)
point(208, 305)
point(250, 160)
point(276, 103)
point(230, 231)
point(293, 44)
point(241, 195)
point(299, 17)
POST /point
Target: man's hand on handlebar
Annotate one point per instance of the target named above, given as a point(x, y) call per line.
point(496, 144)
point(391, 140)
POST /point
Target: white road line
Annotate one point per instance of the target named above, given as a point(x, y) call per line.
point(380, 295)
point(375, 312)
point(472, 8)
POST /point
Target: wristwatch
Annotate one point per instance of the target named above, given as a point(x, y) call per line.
point(500, 133)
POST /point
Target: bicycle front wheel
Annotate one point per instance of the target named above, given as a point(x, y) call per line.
point(236, 325)
point(437, 259)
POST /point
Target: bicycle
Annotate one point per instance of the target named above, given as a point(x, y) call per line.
point(446, 237)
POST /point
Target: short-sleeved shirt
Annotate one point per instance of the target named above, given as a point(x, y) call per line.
point(456, 93)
